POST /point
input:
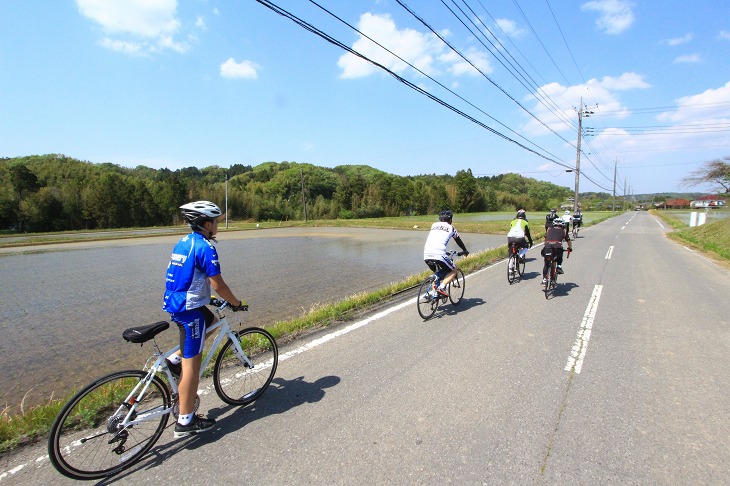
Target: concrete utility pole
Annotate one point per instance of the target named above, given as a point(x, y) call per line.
point(613, 200)
point(226, 200)
point(582, 112)
point(304, 199)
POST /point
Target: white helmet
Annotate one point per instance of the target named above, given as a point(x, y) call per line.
point(196, 213)
point(567, 211)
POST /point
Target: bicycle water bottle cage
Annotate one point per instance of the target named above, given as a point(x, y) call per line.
point(143, 334)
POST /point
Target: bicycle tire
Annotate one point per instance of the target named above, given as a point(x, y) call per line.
point(236, 383)
point(84, 444)
point(521, 266)
point(511, 268)
point(427, 305)
point(457, 287)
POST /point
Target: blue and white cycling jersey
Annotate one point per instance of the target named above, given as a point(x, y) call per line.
point(194, 259)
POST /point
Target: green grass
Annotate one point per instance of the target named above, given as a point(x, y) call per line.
point(712, 238)
point(32, 424)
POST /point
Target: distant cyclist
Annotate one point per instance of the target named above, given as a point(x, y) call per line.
point(550, 217)
point(577, 219)
point(519, 233)
point(434, 252)
point(567, 219)
point(554, 237)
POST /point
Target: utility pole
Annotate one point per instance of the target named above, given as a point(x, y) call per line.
point(613, 201)
point(304, 199)
point(582, 112)
point(226, 200)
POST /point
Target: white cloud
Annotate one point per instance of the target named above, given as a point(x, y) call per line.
point(680, 40)
point(710, 104)
point(603, 92)
point(693, 120)
point(425, 51)
point(135, 26)
point(724, 34)
point(615, 16)
point(689, 58)
point(235, 70)
point(457, 66)
point(509, 27)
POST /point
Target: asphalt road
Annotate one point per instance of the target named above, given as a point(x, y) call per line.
point(621, 378)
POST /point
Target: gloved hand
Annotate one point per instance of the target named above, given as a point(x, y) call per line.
point(243, 306)
point(464, 253)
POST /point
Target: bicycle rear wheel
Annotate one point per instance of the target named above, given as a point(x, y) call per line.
point(86, 439)
point(237, 383)
point(520, 265)
point(511, 268)
point(548, 279)
point(457, 286)
point(427, 303)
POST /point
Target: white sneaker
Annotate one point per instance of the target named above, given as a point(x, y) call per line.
point(544, 281)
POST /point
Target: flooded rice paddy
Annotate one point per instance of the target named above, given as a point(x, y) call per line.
point(63, 307)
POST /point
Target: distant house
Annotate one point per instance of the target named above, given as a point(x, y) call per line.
point(677, 203)
point(708, 202)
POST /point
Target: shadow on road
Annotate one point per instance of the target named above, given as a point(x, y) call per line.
point(281, 396)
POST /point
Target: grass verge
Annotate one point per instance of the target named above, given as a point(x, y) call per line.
point(712, 239)
point(32, 424)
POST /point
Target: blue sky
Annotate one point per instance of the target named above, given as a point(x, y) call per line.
point(167, 83)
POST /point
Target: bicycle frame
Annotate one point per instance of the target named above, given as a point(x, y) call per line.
point(137, 395)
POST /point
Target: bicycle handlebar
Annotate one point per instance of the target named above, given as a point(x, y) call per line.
point(222, 304)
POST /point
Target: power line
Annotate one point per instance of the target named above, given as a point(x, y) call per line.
point(307, 26)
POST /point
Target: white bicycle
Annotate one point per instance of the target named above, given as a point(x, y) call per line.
point(112, 422)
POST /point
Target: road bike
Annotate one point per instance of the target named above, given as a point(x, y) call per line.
point(112, 422)
point(551, 280)
point(428, 299)
point(575, 231)
point(515, 263)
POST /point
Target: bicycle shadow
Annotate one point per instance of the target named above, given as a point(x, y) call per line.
point(528, 276)
point(281, 396)
point(563, 289)
point(451, 309)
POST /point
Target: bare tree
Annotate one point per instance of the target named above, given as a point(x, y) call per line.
point(713, 172)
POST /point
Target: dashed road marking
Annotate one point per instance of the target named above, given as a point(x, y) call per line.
point(578, 353)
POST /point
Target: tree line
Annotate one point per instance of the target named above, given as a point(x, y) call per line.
point(54, 192)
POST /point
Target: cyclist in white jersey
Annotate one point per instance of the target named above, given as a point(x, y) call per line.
point(193, 269)
point(434, 252)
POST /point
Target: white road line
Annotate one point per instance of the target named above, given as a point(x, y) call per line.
point(610, 251)
point(578, 353)
point(658, 222)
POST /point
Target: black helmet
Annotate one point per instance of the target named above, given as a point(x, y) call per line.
point(559, 222)
point(553, 210)
point(521, 214)
point(446, 215)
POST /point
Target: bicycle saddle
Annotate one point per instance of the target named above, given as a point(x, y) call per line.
point(143, 334)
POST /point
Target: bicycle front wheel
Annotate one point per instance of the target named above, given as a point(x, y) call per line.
point(427, 303)
point(236, 381)
point(457, 286)
point(511, 269)
point(87, 439)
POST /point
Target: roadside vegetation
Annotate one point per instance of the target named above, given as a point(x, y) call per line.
point(21, 425)
point(712, 239)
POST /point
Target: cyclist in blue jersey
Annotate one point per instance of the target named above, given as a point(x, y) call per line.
point(194, 267)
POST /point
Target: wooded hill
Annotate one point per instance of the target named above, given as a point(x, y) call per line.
point(55, 192)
